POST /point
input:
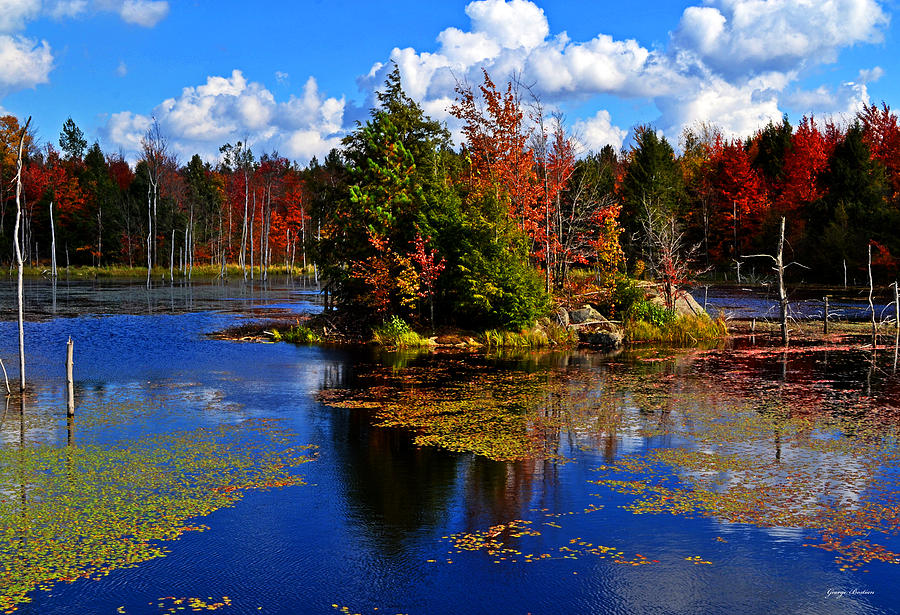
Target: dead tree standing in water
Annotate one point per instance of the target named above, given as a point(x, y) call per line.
point(17, 241)
point(779, 268)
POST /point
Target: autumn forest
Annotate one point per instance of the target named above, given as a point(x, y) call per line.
point(398, 221)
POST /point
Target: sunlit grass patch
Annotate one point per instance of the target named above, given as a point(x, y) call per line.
point(396, 333)
point(534, 338)
point(681, 330)
point(298, 334)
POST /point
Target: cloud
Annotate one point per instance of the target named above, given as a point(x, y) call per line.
point(24, 63)
point(870, 75)
point(733, 62)
point(736, 37)
point(739, 110)
point(15, 13)
point(844, 100)
point(598, 131)
point(513, 24)
point(146, 13)
point(67, 8)
point(729, 61)
point(121, 69)
point(225, 109)
point(126, 130)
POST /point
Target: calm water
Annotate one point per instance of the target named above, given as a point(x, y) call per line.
point(758, 432)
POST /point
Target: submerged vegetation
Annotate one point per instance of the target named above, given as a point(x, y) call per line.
point(83, 512)
point(788, 451)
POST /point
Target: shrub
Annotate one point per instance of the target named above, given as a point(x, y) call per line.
point(621, 297)
point(651, 313)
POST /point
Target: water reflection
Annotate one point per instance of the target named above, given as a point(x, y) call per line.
point(68, 297)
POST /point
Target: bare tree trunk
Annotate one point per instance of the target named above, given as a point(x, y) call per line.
point(782, 295)
point(16, 240)
point(871, 290)
point(303, 236)
point(70, 380)
point(149, 227)
point(244, 227)
point(52, 244)
point(252, 224)
point(172, 259)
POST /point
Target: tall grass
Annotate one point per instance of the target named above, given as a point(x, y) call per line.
point(682, 331)
point(395, 333)
point(200, 271)
point(297, 335)
point(538, 337)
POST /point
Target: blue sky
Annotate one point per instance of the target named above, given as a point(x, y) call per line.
point(295, 76)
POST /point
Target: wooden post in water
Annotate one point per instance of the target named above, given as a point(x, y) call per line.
point(70, 381)
point(825, 317)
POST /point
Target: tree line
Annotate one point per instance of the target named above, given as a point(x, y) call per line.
point(399, 222)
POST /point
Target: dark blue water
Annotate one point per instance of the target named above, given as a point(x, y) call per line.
point(378, 508)
point(762, 302)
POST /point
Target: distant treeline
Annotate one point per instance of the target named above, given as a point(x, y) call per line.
point(397, 221)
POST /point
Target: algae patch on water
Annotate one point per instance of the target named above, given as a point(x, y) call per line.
point(83, 512)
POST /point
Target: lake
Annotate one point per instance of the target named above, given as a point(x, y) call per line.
point(207, 475)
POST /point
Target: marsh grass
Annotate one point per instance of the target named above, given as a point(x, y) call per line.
point(298, 334)
point(199, 271)
point(680, 331)
point(538, 337)
point(396, 333)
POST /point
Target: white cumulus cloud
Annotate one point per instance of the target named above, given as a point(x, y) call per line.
point(734, 37)
point(24, 63)
point(15, 13)
point(729, 61)
point(598, 131)
point(226, 109)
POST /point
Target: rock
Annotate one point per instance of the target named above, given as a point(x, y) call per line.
point(685, 304)
point(601, 338)
point(585, 315)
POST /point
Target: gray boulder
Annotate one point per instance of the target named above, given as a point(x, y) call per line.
point(585, 315)
point(601, 338)
point(685, 304)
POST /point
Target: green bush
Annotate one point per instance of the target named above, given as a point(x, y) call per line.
point(623, 295)
point(650, 313)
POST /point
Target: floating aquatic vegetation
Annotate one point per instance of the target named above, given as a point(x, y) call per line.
point(171, 604)
point(84, 512)
point(492, 413)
